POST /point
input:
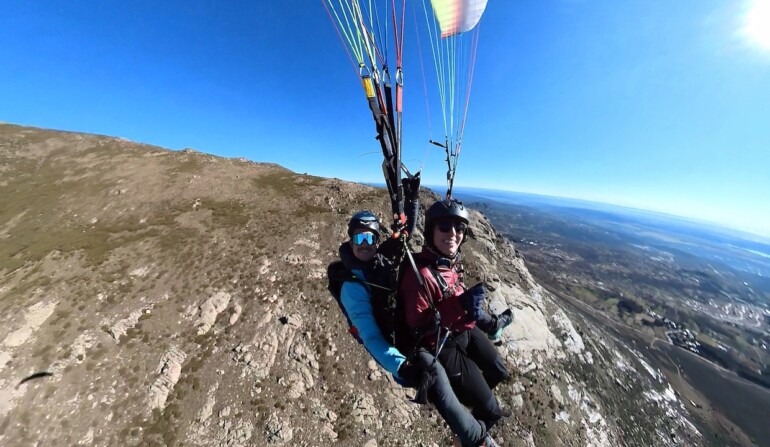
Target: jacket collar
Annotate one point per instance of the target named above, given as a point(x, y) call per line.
point(349, 260)
point(438, 259)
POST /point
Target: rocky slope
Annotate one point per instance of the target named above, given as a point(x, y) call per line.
point(179, 298)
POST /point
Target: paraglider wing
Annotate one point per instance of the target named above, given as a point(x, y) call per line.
point(457, 16)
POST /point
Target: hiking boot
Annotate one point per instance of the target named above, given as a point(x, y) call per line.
point(488, 442)
point(503, 320)
point(456, 442)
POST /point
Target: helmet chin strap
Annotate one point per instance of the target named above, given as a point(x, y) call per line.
point(443, 260)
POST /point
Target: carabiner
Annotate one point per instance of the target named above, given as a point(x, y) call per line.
point(385, 75)
point(363, 71)
point(440, 346)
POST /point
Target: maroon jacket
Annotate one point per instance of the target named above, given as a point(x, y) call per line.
point(419, 314)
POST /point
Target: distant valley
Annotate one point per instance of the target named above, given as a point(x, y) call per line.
point(693, 287)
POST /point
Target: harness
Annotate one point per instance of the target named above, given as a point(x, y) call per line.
point(446, 292)
point(388, 314)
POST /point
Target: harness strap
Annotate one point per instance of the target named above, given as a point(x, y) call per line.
point(446, 292)
point(442, 284)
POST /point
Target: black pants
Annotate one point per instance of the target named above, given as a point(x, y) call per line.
point(443, 397)
point(474, 367)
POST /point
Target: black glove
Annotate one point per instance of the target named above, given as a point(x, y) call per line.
point(471, 301)
point(411, 187)
point(421, 377)
point(427, 379)
point(409, 373)
point(487, 323)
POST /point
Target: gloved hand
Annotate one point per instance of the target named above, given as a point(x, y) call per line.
point(471, 301)
point(421, 377)
point(411, 187)
point(409, 373)
point(427, 379)
point(501, 322)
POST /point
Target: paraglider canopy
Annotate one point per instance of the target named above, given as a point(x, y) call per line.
point(457, 16)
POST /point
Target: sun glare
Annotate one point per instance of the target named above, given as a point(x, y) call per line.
point(757, 23)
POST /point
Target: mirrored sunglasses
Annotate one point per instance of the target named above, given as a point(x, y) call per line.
point(445, 227)
point(359, 238)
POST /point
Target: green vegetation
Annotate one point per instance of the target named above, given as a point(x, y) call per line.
point(282, 183)
point(228, 213)
point(32, 240)
point(307, 210)
point(191, 164)
point(584, 294)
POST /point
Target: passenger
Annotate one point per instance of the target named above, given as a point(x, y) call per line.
point(470, 360)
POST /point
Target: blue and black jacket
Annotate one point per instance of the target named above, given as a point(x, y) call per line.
point(366, 308)
point(365, 300)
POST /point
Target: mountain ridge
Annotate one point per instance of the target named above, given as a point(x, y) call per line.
point(179, 298)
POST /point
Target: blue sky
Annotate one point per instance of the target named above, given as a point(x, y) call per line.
point(647, 103)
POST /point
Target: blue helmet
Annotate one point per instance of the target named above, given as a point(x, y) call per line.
point(364, 219)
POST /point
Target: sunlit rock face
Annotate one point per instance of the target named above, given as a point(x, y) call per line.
point(179, 298)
